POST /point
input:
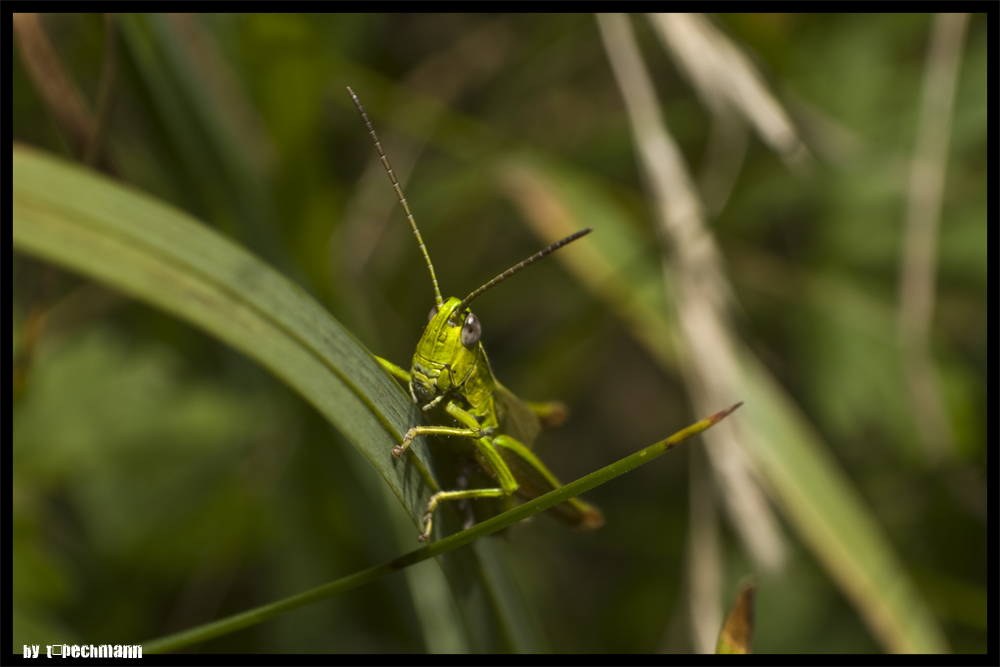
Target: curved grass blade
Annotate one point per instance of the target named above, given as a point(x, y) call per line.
point(115, 235)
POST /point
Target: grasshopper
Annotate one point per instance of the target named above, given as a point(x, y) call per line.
point(451, 376)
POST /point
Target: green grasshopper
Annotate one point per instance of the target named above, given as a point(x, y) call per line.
point(451, 376)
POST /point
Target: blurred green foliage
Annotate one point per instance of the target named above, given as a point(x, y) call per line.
point(161, 480)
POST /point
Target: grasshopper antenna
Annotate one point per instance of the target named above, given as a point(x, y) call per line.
point(523, 265)
point(399, 193)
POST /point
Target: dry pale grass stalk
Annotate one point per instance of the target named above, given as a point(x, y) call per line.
point(726, 80)
point(59, 93)
point(918, 270)
point(693, 272)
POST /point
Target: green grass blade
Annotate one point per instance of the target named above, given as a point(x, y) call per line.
point(216, 165)
point(100, 229)
point(157, 254)
point(499, 522)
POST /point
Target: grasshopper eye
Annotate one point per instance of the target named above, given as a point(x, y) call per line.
point(433, 313)
point(471, 331)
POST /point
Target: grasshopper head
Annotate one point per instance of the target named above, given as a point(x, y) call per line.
point(447, 352)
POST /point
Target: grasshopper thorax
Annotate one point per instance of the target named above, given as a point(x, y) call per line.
point(448, 353)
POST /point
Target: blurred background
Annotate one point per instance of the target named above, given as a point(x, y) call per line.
point(837, 169)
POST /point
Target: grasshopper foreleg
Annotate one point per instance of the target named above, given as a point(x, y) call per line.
point(472, 429)
point(434, 430)
point(394, 370)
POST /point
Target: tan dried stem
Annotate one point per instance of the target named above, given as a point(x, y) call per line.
point(726, 80)
point(693, 273)
point(58, 91)
point(918, 270)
